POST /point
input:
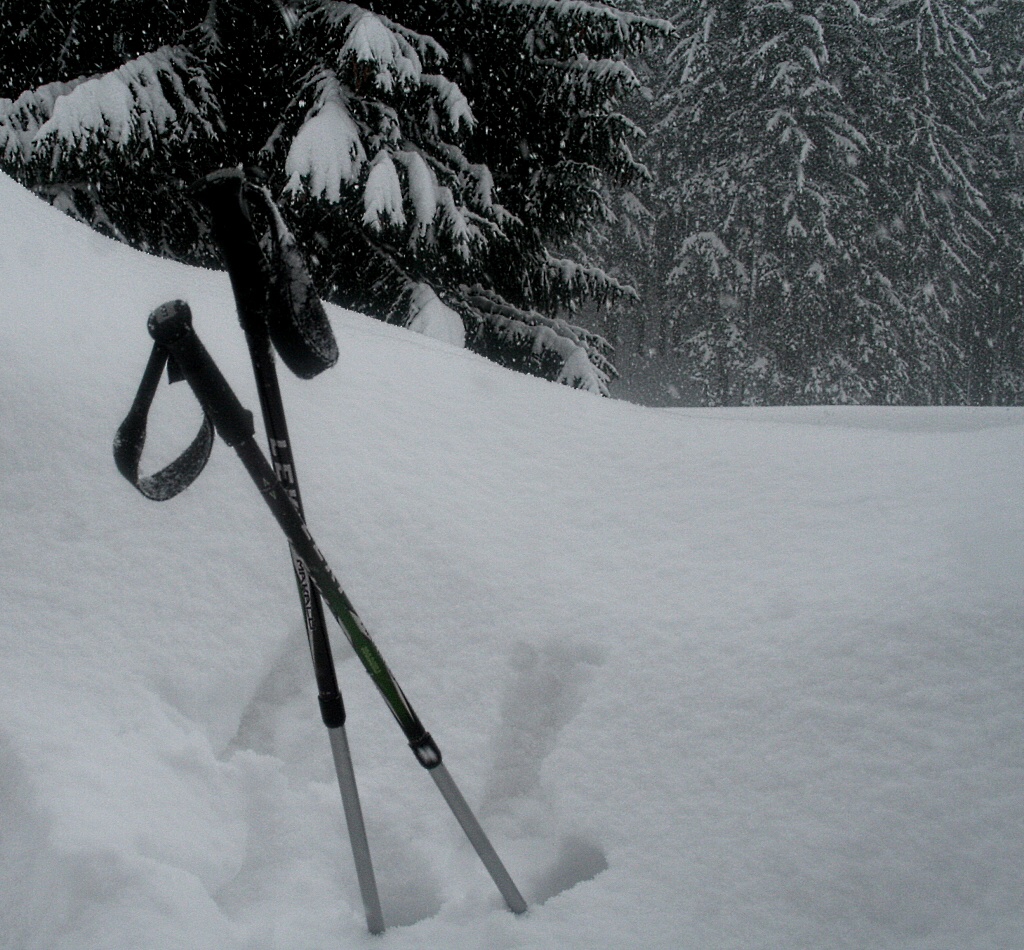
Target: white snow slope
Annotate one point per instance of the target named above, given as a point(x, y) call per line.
point(710, 678)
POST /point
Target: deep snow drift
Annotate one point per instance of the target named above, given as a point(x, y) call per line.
point(710, 678)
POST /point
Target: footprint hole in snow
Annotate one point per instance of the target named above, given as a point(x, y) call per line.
point(408, 905)
point(578, 860)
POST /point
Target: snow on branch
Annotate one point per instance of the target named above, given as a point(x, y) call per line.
point(585, 280)
point(703, 245)
point(370, 40)
point(394, 52)
point(159, 94)
point(614, 71)
point(628, 29)
point(456, 105)
point(432, 317)
point(21, 118)
point(458, 223)
point(327, 150)
point(594, 79)
point(382, 195)
point(581, 352)
point(343, 16)
point(423, 189)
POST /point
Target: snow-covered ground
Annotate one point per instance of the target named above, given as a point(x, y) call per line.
point(711, 679)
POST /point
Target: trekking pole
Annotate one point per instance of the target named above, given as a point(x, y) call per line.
point(251, 284)
point(171, 328)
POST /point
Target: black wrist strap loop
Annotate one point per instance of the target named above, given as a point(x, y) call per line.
point(131, 439)
point(296, 320)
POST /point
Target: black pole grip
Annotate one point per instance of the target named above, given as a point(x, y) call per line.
point(247, 266)
point(170, 325)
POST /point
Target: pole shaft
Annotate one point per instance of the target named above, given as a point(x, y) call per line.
point(356, 830)
point(482, 845)
point(332, 708)
point(249, 280)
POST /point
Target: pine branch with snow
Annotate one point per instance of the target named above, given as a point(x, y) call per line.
point(436, 145)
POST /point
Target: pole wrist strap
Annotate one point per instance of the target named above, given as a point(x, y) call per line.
point(130, 439)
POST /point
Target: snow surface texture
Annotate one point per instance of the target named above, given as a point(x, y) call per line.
point(710, 678)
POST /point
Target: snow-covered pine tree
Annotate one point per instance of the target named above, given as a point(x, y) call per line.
point(997, 363)
point(828, 173)
point(927, 174)
point(765, 207)
point(436, 158)
point(495, 209)
point(628, 245)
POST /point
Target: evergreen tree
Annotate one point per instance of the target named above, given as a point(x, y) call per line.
point(827, 225)
point(767, 217)
point(927, 172)
point(997, 353)
point(437, 158)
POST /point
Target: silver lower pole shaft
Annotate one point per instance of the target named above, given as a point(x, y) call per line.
point(446, 785)
point(356, 829)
